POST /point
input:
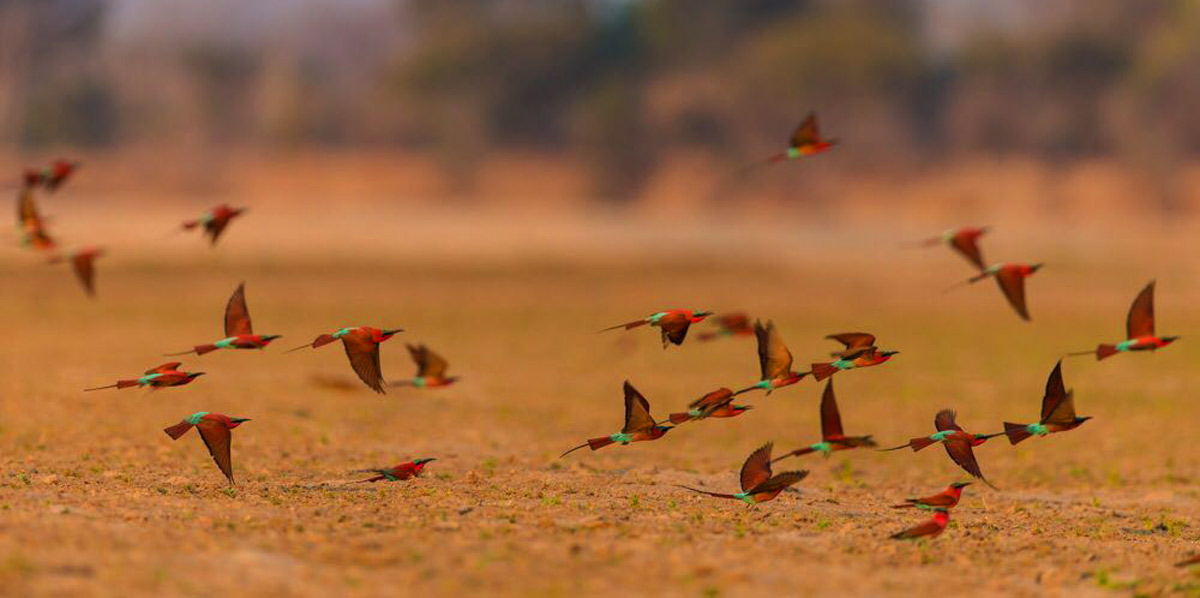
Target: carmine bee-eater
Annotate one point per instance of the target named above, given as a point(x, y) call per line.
point(1139, 329)
point(946, 499)
point(860, 352)
point(832, 436)
point(730, 324)
point(239, 333)
point(31, 223)
point(929, 529)
point(1011, 279)
point(362, 348)
point(958, 443)
point(718, 403)
point(83, 260)
point(1192, 560)
point(758, 485)
point(963, 240)
point(673, 323)
point(403, 471)
point(431, 369)
point(52, 176)
point(774, 360)
point(214, 429)
point(1058, 412)
point(162, 376)
point(214, 221)
point(639, 425)
point(806, 140)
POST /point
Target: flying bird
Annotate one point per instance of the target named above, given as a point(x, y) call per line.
point(673, 323)
point(214, 429)
point(83, 260)
point(239, 333)
point(1192, 560)
point(832, 436)
point(362, 348)
point(214, 221)
point(758, 485)
point(403, 471)
point(929, 529)
point(1139, 329)
point(958, 443)
point(158, 377)
point(31, 223)
point(639, 425)
point(860, 352)
point(1058, 412)
point(774, 360)
point(718, 403)
point(965, 241)
point(946, 499)
point(431, 369)
point(52, 176)
point(730, 324)
point(1011, 279)
point(806, 140)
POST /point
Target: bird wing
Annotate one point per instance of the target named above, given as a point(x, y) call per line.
point(757, 468)
point(944, 420)
point(712, 400)
point(364, 358)
point(432, 364)
point(674, 328)
point(1012, 284)
point(806, 132)
point(166, 367)
point(217, 437)
point(732, 322)
point(960, 452)
point(85, 270)
point(27, 212)
point(968, 246)
point(215, 227)
point(778, 482)
point(853, 340)
point(1056, 393)
point(637, 411)
point(774, 359)
point(831, 420)
point(1141, 314)
point(237, 315)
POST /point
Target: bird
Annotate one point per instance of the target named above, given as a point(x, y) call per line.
point(362, 348)
point(718, 403)
point(1058, 412)
point(31, 223)
point(403, 471)
point(673, 323)
point(963, 240)
point(728, 324)
point(958, 443)
point(83, 260)
point(946, 499)
point(157, 377)
point(214, 221)
point(930, 529)
point(806, 140)
point(639, 424)
point(239, 333)
point(214, 430)
point(860, 352)
point(758, 485)
point(431, 369)
point(832, 436)
point(1192, 560)
point(52, 176)
point(1011, 279)
point(774, 360)
point(1139, 329)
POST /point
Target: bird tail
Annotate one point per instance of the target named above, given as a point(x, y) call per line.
point(1081, 353)
point(707, 336)
point(592, 443)
point(191, 224)
point(716, 494)
point(796, 453)
point(821, 371)
point(747, 389)
point(908, 505)
point(177, 430)
point(627, 326)
point(679, 418)
point(202, 349)
point(920, 443)
point(119, 385)
point(320, 341)
point(971, 280)
point(1015, 432)
point(1104, 351)
point(379, 475)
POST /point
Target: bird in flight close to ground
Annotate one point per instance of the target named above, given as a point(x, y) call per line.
point(52, 176)
point(362, 348)
point(946, 499)
point(214, 429)
point(83, 261)
point(860, 352)
point(930, 529)
point(718, 403)
point(774, 360)
point(31, 223)
point(832, 436)
point(214, 221)
point(403, 471)
point(758, 484)
point(963, 240)
point(673, 323)
point(958, 443)
point(729, 324)
point(431, 369)
point(158, 377)
point(1192, 560)
point(1058, 412)
point(1011, 279)
point(239, 333)
point(1139, 329)
point(639, 424)
point(806, 140)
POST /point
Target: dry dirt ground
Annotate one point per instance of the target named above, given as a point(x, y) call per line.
point(96, 500)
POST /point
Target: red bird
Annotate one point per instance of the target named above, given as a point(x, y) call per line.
point(730, 324)
point(239, 333)
point(832, 436)
point(963, 240)
point(860, 352)
point(1058, 412)
point(946, 499)
point(362, 348)
point(431, 369)
point(958, 443)
point(758, 485)
point(31, 223)
point(214, 221)
point(806, 140)
point(403, 471)
point(1011, 278)
point(774, 360)
point(84, 262)
point(639, 425)
point(718, 403)
point(673, 323)
point(214, 430)
point(1139, 329)
point(162, 376)
point(51, 177)
point(929, 529)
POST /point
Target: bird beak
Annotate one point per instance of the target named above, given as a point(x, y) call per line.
point(1036, 267)
point(271, 337)
point(239, 420)
point(392, 331)
point(197, 374)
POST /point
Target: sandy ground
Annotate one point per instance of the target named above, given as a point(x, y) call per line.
point(96, 500)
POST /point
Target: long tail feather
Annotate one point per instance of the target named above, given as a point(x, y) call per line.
point(592, 443)
point(821, 371)
point(119, 385)
point(969, 281)
point(202, 349)
point(907, 505)
point(714, 494)
point(627, 326)
point(796, 453)
point(894, 448)
point(177, 430)
point(920, 443)
point(188, 352)
point(305, 346)
point(1079, 354)
point(1015, 432)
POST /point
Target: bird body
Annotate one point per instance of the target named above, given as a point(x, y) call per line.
point(214, 221)
point(1139, 329)
point(83, 261)
point(31, 223)
point(52, 176)
point(946, 499)
point(957, 442)
point(833, 438)
point(774, 360)
point(673, 324)
point(431, 369)
point(806, 140)
point(162, 376)
point(965, 241)
point(214, 429)
point(639, 424)
point(362, 349)
point(759, 485)
point(239, 331)
point(403, 471)
point(1058, 412)
point(930, 529)
point(717, 403)
point(1011, 280)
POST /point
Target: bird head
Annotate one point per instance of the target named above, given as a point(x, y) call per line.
point(237, 421)
point(1035, 267)
point(960, 485)
point(741, 408)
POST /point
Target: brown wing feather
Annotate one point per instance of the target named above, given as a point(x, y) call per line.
point(944, 420)
point(1056, 393)
point(757, 468)
point(831, 420)
point(713, 399)
point(237, 315)
point(637, 411)
point(364, 358)
point(674, 330)
point(166, 367)
point(960, 452)
point(968, 246)
point(217, 437)
point(85, 270)
point(1012, 285)
point(214, 228)
point(806, 132)
point(429, 364)
point(779, 482)
point(1141, 314)
point(774, 359)
point(853, 340)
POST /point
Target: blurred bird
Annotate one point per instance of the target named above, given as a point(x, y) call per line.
point(718, 403)
point(958, 443)
point(774, 360)
point(214, 221)
point(52, 176)
point(403, 471)
point(946, 499)
point(431, 369)
point(963, 240)
point(832, 436)
point(162, 376)
point(1139, 329)
point(1058, 412)
point(730, 324)
point(806, 140)
point(1011, 278)
point(673, 323)
point(214, 429)
point(639, 425)
point(83, 260)
point(239, 333)
point(362, 348)
point(860, 352)
point(929, 529)
point(31, 223)
point(1192, 560)
point(758, 485)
